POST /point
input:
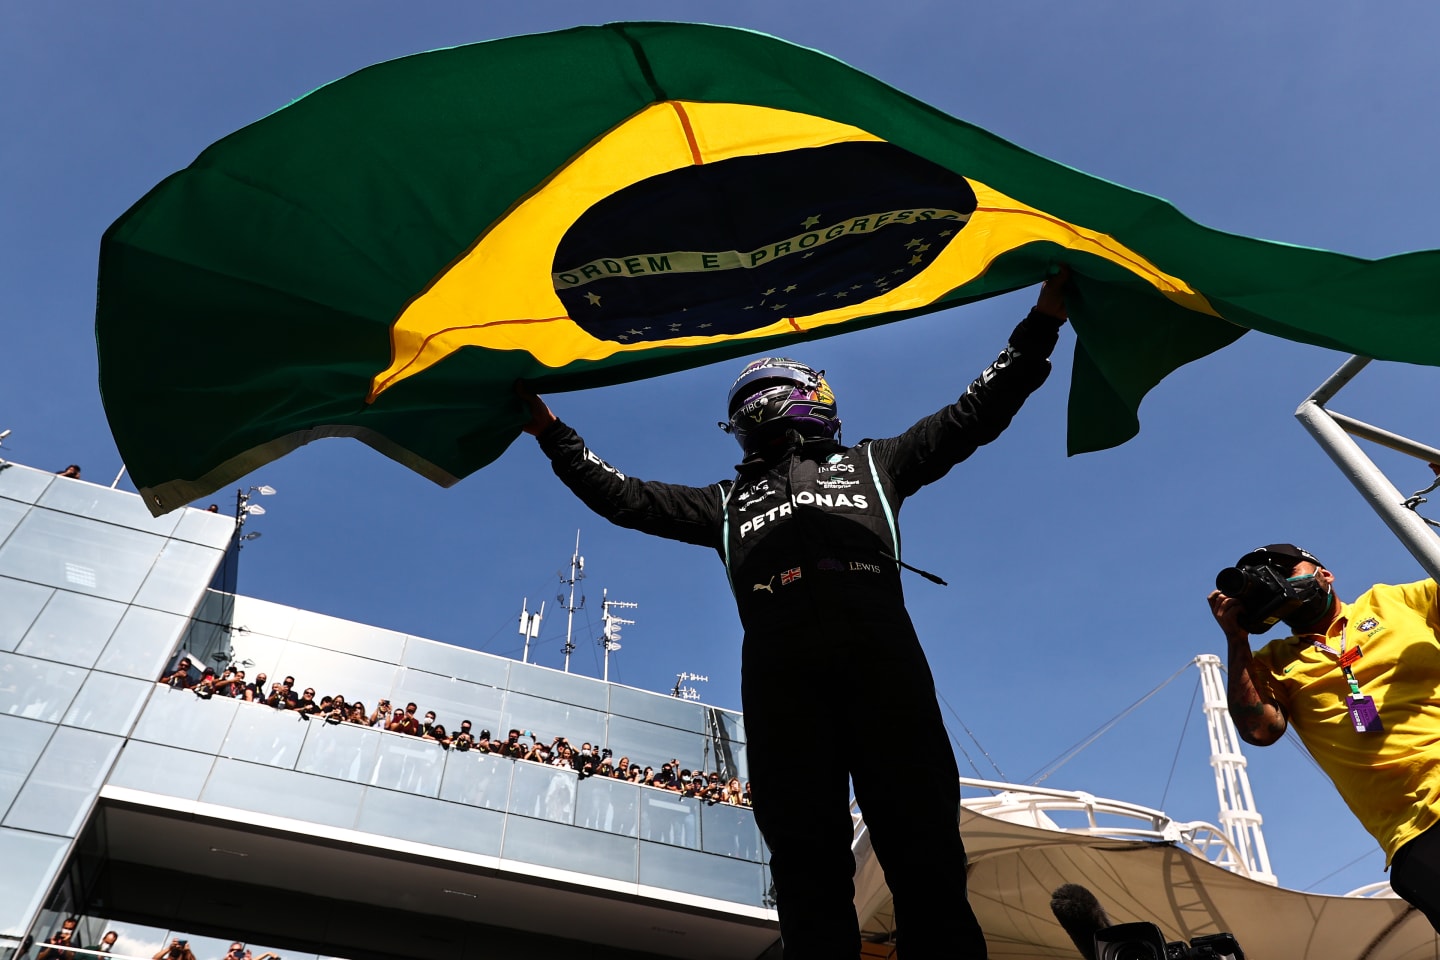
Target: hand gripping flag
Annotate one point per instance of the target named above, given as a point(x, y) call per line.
point(610, 203)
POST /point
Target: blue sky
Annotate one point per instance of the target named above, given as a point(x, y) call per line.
point(1077, 585)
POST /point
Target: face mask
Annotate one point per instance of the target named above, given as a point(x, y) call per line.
point(1315, 600)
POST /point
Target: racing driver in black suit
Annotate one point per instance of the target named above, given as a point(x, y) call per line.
point(808, 536)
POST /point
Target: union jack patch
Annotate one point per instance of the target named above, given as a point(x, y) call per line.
point(789, 576)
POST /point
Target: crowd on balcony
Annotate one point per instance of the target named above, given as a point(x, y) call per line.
point(586, 761)
point(65, 943)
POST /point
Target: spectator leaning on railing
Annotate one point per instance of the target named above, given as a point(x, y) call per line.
point(54, 948)
point(180, 677)
point(586, 762)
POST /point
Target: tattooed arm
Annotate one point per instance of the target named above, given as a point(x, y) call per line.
point(1258, 717)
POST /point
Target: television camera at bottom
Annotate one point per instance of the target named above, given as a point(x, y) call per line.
point(1143, 941)
point(1090, 929)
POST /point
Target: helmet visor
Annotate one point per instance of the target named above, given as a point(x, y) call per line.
point(765, 374)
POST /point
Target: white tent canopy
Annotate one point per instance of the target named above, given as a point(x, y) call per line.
point(1014, 868)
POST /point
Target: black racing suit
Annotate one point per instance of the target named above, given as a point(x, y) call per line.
point(810, 543)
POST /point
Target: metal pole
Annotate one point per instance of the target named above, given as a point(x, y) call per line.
point(1378, 435)
point(605, 630)
point(611, 624)
point(525, 629)
point(535, 621)
point(570, 607)
point(1362, 473)
point(1338, 379)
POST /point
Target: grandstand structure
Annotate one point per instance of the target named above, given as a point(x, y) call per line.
point(136, 806)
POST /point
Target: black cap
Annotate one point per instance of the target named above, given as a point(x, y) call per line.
point(1271, 552)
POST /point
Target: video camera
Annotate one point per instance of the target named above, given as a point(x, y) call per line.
point(1089, 928)
point(1266, 596)
point(1143, 941)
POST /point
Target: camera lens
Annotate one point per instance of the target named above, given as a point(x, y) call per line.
point(1231, 581)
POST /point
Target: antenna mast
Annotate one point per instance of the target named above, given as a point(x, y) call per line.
point(682, 692)
point(577, 573)
point(610, 635)
point(1238, 816)
point(529, 626)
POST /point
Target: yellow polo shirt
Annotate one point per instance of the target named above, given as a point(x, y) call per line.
point(1390, 780)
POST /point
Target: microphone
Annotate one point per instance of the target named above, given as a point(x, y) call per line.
point(1080, 914)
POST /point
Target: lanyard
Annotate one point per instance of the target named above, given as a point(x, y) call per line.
point(1342, 656)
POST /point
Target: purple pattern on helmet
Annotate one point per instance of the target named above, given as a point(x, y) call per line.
point(775, 393)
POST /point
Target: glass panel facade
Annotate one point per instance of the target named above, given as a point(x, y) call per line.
point(108, 704)
point(449, 825)
point(141, 644)
point(372, 642)
point(701, 874)
point(10, 514)
point(263, 735)
point(73, 628)
point(656, 708)
point(178, 578)
point(669, 818)
point(609, 805)
point(63, 784)
point(477, 779)
point(77, 554)
point(164, 770)
point(37, 689)
point(650, 745)
point(253, 653)
point(20, 604)
point(555, 685)
point(732, 725)
point(200, 526)
point(457, 662)
point(216, 607)
point(177, 718)
point(549, 719)
point(283, 793)
point(729, 831)
point(344, 751)
point(102, 503)
point(547, 793)
point(452, 700)
point(330, 672)
point(570, 848)
point(23, 483)
point(409, 764)
point(31, 863)
point(21, 743)
point(261, 616)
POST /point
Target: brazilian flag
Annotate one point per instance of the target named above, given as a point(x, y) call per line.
point(610, 203)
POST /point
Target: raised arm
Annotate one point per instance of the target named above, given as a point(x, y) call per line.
point(674, 511)
point(927, 451)
point(1258, 716)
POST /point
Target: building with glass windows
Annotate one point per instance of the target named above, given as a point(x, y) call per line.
point(145, 809)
